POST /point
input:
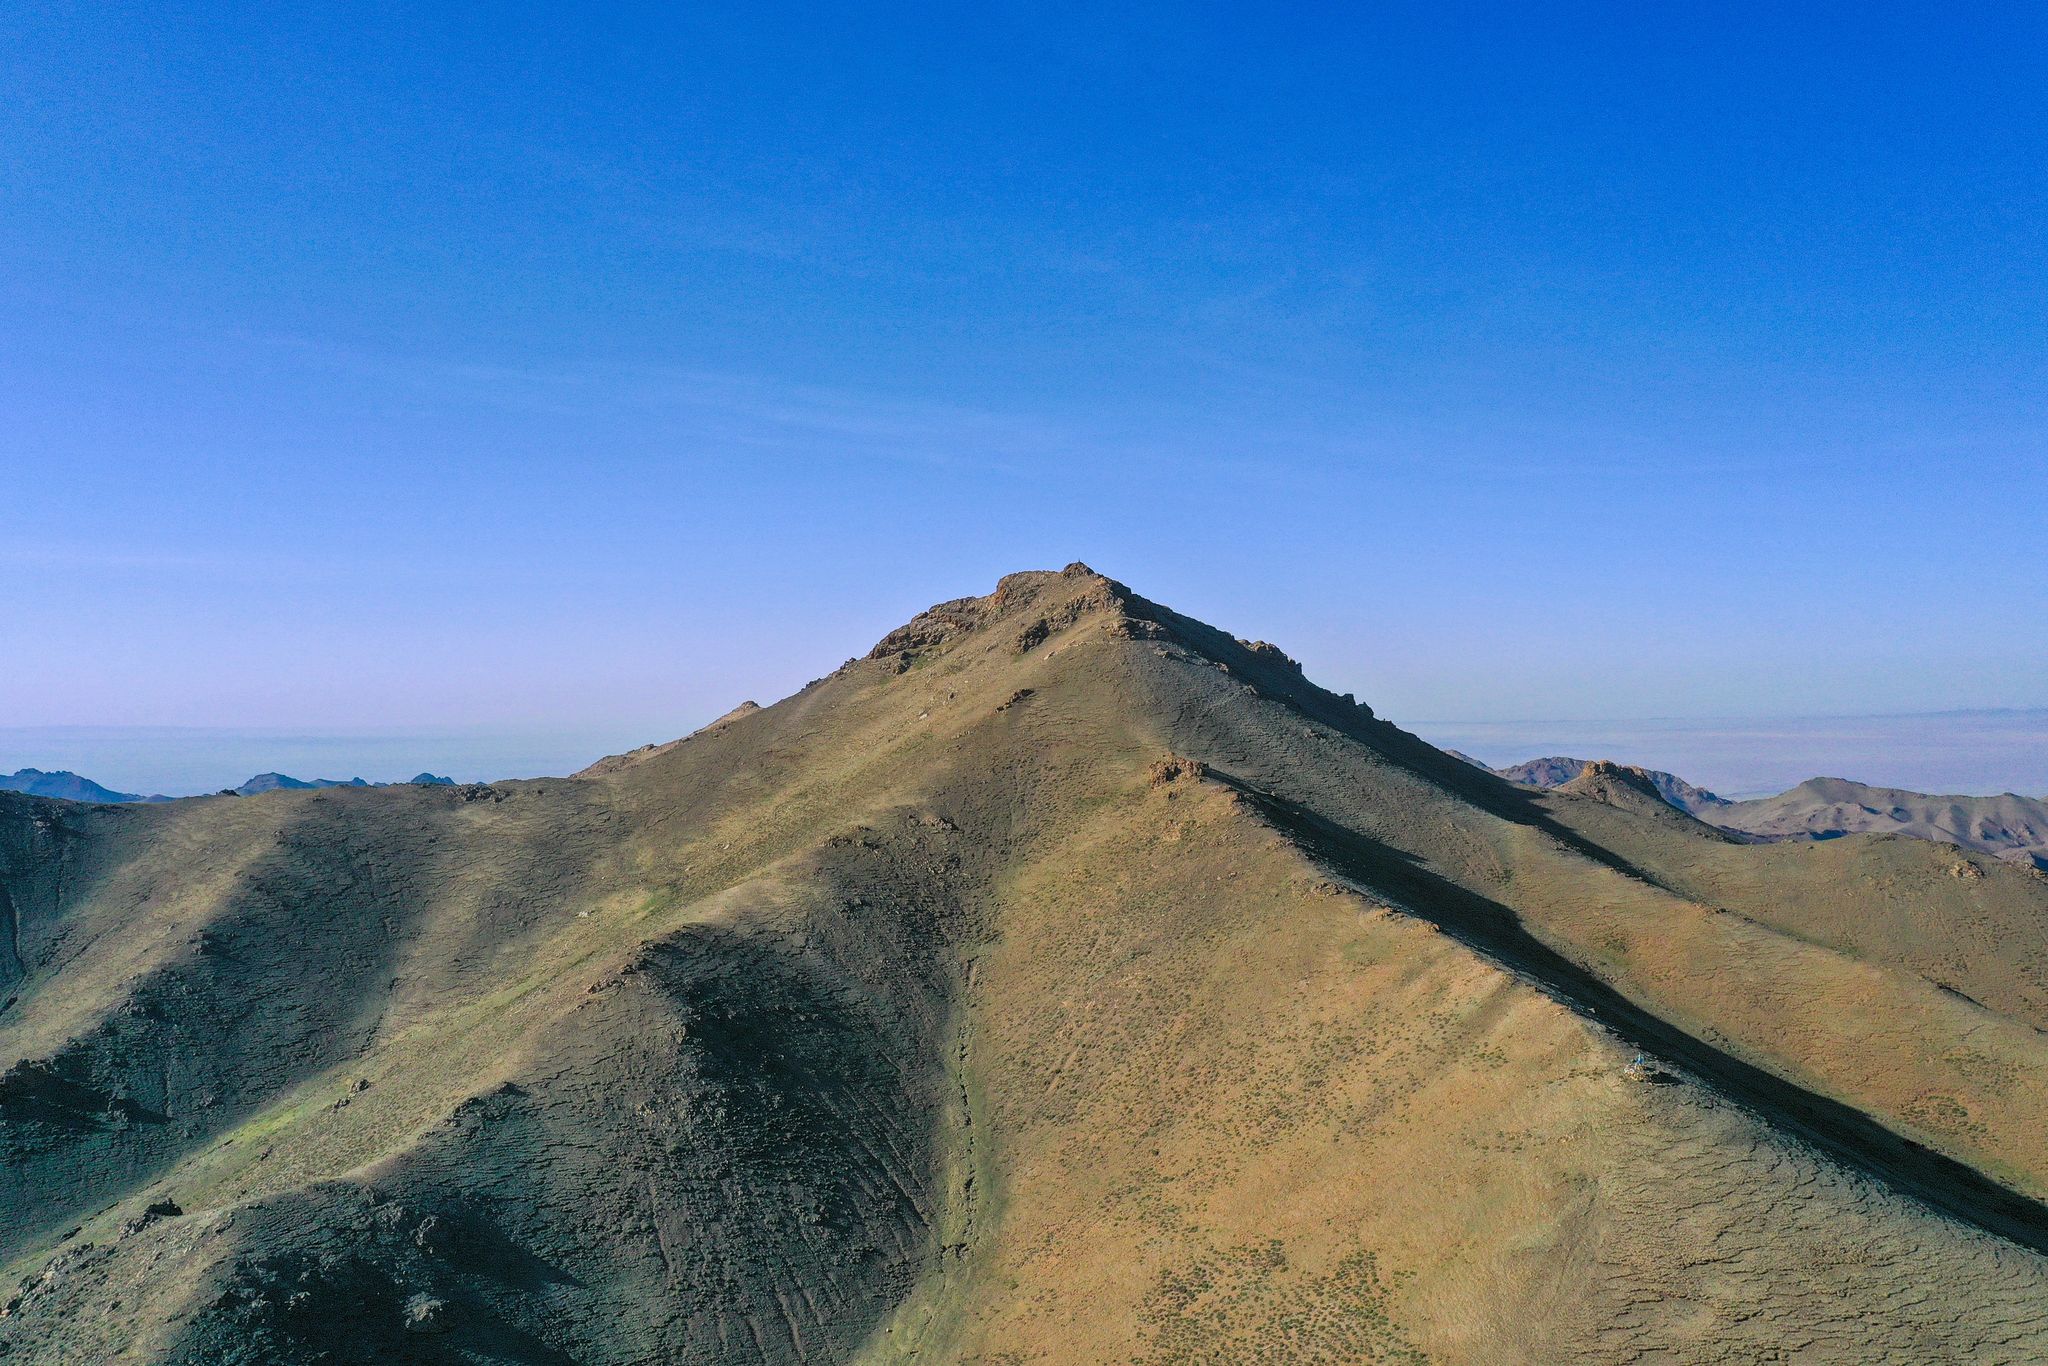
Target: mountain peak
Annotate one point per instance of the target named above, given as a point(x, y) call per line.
point(1605, 778)
point(1557, 770)
point(1062, 597)
point(63, 783)
point(1636, 790)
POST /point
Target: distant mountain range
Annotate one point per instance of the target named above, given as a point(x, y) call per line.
point(2007, 826)
point(71, 787)
point(67, 785)
point(284, 782)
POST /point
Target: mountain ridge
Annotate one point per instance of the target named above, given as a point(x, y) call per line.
point(1067, 980)
point(1558, 770)
point(2007, 826)
point(67, 786)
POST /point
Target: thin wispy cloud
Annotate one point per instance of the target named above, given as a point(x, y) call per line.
point(726, 409)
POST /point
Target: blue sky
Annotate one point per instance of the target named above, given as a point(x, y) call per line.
point(591, 368)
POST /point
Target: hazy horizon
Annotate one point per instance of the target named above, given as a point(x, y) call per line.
point(1966, 752)
point(1960, 752)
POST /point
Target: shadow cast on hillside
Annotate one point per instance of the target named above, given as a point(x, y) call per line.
point(1477, 787)
point(1841, 1131)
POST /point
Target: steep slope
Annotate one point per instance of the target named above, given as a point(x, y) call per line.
point(1065, 981)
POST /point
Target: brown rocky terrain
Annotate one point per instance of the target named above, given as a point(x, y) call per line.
point(2007, 826)
point(1557, 770)
point(1065, 981)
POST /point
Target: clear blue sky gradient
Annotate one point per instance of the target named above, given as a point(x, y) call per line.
point(598, 366)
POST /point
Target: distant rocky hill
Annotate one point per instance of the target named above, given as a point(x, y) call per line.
point(70, 787)
point(1645, 792)
point(284, 782)
point(1557, 770)
point(2007, 826)
point(273, 782)
point(67, 785)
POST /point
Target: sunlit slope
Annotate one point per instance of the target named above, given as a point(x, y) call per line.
point(1905, 977)
point(1974, 924)
point(950, 1011)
